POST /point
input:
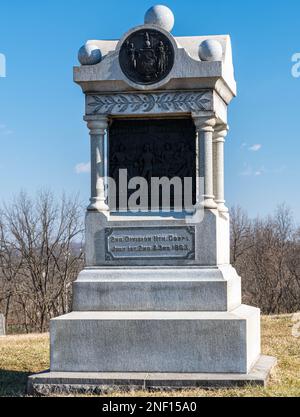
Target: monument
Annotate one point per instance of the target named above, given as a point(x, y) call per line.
point(2, 325)
point(158, 303)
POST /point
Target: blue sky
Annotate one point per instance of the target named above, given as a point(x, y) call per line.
point(43, 137)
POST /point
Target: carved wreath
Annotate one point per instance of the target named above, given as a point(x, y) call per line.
point(131, 103)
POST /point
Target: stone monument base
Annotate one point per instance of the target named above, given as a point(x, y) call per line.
point(155, 328)
point(156, 342)
point(97, 383)
point(157, 289)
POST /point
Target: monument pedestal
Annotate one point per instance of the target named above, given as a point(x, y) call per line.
point(157, 289)
point(156, 342)
point(155, 328)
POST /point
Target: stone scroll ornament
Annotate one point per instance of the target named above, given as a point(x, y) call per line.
point(147, 103)
point(147, 56)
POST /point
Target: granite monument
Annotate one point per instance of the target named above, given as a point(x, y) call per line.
point(158, 303)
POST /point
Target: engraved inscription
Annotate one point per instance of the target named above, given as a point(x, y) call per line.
point(150, 242)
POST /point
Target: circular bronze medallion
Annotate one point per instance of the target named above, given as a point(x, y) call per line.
point(147, 56)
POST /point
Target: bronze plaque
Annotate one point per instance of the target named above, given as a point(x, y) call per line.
point(150, 243)
point(153, 149)
point(146, 56)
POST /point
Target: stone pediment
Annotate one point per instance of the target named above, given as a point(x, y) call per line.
point(188, 72)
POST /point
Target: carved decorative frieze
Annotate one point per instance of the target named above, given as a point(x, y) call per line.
point(173, 102)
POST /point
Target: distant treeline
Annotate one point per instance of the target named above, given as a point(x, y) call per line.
point(266, 254)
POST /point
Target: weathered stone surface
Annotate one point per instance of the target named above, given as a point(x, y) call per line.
point(89, 55)
point(156, 289)
point(106, 383)
point(151, 103)
point(210, 50)
point(161, 16)
point(180, 342)
point(188, 73)
point(211, 239)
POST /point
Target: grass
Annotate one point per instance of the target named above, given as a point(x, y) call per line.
point(23, 355)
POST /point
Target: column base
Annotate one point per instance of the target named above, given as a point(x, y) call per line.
point(98, 205)
point(104, 383)
point(209, 203)
point(221, 206)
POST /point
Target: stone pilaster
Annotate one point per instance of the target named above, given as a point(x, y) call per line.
point(219, 136)
point(97, 126)
point(205, 129)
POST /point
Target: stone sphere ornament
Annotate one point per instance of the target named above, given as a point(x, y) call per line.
point(211, 50)
point(89, 54)
point(161, 16)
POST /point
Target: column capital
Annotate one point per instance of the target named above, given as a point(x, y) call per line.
point(97, 124)
point(220, 133)
point(204, 123)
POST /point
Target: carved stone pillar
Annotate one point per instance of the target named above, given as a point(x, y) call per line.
point(97, 127)
point(218, 152)
point(205, 128)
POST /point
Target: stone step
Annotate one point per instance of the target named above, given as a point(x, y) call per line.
point(105, 383)
point(149, 289)
point(183, 342)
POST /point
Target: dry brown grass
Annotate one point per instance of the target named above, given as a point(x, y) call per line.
point(21, 356)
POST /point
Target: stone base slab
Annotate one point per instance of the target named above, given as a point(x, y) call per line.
point(156, 342)
point(97, 383)
point(157, 289)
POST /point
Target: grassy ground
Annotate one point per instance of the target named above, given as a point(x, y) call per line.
point(21, 356)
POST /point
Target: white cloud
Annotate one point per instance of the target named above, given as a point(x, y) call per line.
point(258, 173)
point(83, 168)
point(4, 130)
point(255, 148)
point(249, 171)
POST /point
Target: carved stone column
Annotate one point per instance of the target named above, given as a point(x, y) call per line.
point(218, 152)
point(205, 128)
point(97, 127)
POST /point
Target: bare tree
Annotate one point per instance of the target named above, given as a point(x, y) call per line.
point(266, 253)
point(240, 233)
point(41, 243)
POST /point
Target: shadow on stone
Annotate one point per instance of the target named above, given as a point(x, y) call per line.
point(13, 383)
